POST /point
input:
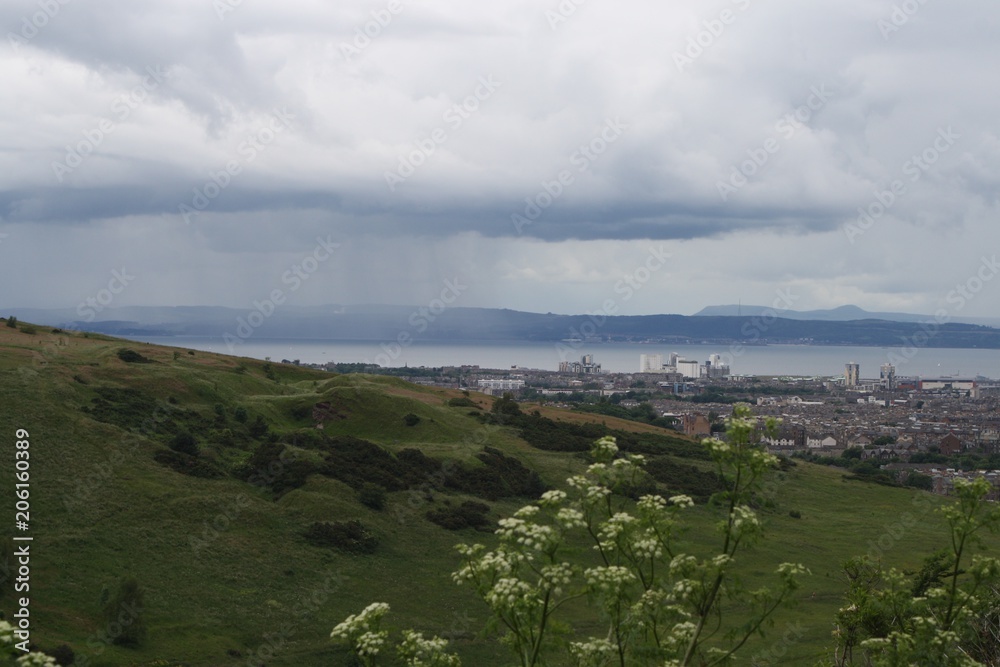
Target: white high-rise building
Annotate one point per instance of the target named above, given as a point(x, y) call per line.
point(689, 369)
point(672, 359)
point(650, 363)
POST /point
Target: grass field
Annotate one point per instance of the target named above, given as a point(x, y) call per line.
point(228, 575)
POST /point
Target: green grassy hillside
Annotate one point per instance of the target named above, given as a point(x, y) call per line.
point(218, 541)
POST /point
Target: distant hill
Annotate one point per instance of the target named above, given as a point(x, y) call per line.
point(839, 314)
point(386, 323)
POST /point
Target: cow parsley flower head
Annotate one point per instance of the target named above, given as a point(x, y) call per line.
point(36, 660)
point(570, 518)
point(682, 500)
point(552, 498)
point(356, 625)
point(417, 651)
point(604, 449)
point(370, 643)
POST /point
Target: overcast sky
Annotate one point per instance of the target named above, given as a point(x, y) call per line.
point(539, 153)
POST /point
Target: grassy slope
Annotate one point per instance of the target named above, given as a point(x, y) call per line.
point(257, 583)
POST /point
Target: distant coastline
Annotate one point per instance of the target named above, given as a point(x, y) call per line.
point(773, 359)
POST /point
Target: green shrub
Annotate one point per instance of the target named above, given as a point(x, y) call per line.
point(63, 655)
point(272, 467)
point(462, 402)
point(350, 536)
point(372, 495)
point(258, 428)
point(411, 419)
point(184, 443)
point(132, 357)
point(469, 514)
point(795, 514)
point(125, 610)
point(187, 465)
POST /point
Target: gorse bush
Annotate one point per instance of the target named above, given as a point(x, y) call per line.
point(469, 514)
point(132, 357)
point(351, 536)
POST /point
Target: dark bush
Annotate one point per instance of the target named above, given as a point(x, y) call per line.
point(795, 514)
point(414, 459)
point(240, 415)
point(273, 467)
point(184, 443)
point(500, 477)
point(469, 514)
point(350, 536)
point(125, 610)
point(355, 462)
point(684, 478)
point(126, 408)
point(372, 495)
point(187, 465)
point(301, 411)
point(411, 419)
point(462, 402)
point(258, 428)
point(918, 480)
point(63, 655)
point(132, 357)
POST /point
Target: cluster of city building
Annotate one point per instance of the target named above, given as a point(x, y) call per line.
point(685, 368)
point(889, 418)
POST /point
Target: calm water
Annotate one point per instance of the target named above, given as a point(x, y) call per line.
point(614, 357)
